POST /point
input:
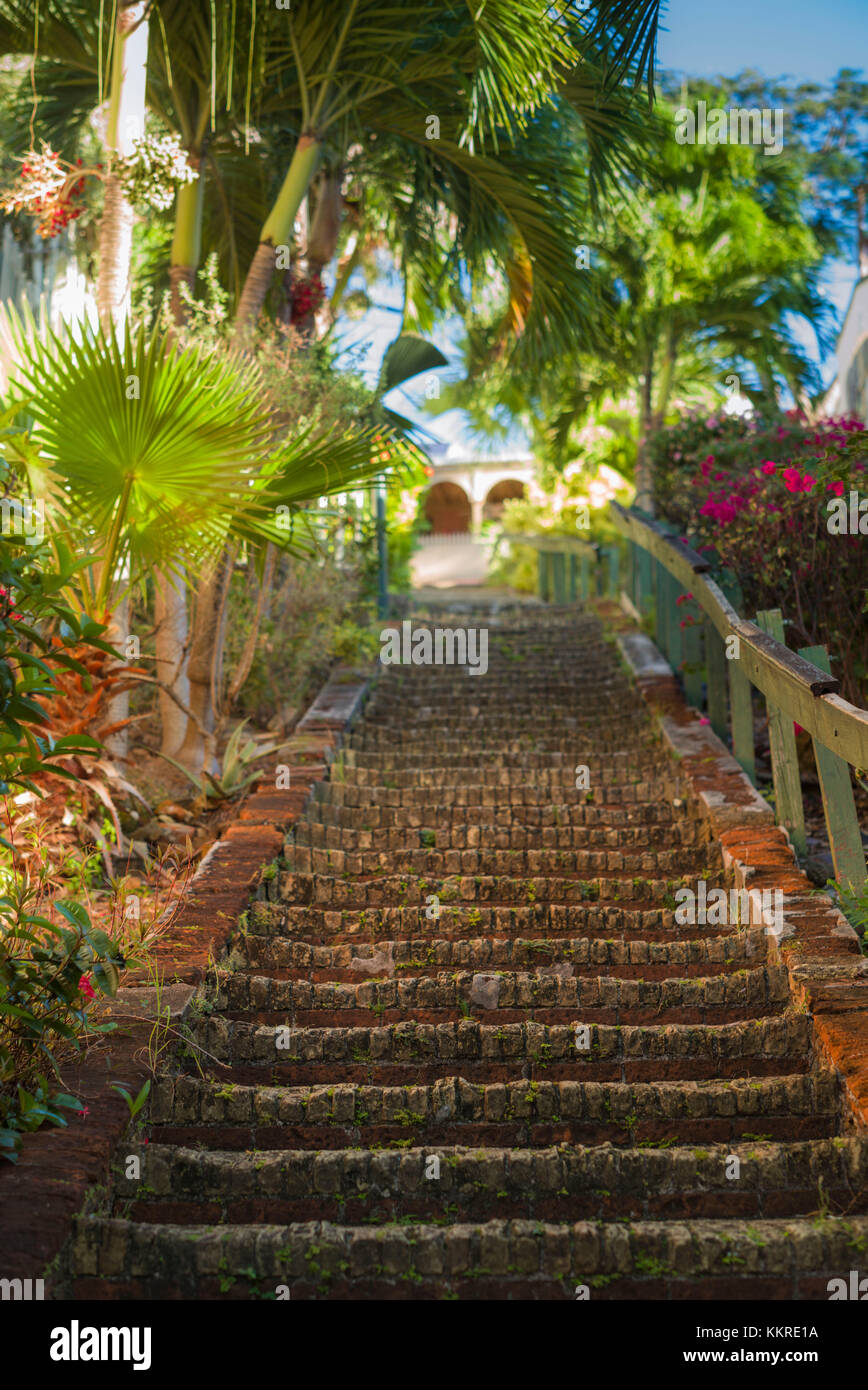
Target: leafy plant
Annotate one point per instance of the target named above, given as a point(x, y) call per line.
point(50, 974)
point(134, 1104)
point(235, 774)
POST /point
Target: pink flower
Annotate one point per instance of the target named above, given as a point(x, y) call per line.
point(837, 488)
point(808, 481)
point(85, 1111)
point(769, 466)
point(703, 720)
point(86, 988)
point(793, 479)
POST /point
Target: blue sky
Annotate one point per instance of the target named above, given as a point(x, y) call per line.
point(793, 38)
point(798, 39)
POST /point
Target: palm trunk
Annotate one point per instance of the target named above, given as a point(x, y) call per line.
point(197, 750)
point(322, 243)
point(115, 253)
point(126, 121)
point(170, 619)
point(187, 239)
point(245, 661)
point(276, 231)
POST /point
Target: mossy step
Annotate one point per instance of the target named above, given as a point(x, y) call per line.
point(758, 989)
point(778, 1040)
point(316, 834)
point(795, 1257)
point(592, 1181)
point(538, 920)
point(397, 890)
point(639, 862)
point(424, 954)
point(752, 1103)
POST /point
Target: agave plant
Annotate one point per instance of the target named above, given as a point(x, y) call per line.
point(235, 774)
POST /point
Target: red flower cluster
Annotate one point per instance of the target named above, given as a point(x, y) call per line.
point(7, 606)
point(749, 492)
point(45, 192)
point(307, 296)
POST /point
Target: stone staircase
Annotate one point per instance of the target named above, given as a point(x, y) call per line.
point(463, 1049)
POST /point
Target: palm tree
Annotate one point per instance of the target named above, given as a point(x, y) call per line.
point(363, 70)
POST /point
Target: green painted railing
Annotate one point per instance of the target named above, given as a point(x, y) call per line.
point(729, 656)
point(723, 658)
point(571, 569)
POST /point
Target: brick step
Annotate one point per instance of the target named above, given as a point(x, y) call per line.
point(452, 995)
point(784, 1259)
point(472, 750)
point(625, 1114)
point(658, 792)
point(501, 1051)
point(649, 960)
point(492, 710)
point(559, 815)
point(357, 1187)
point(579, 687)
point(536, 920)
point(315, 834)
point(465, 775)
point(509, 863)
point(556, 734)
point(525, 729)
point(391, 890)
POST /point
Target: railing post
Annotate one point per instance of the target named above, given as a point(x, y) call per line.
point(715, 679)
point(839, 806)
point(691, 647)
point(574, 570)
point(542, 576)
point(789, 809)
point(630, 573)
point(559, 576)
point(740, 692)
point(647, 584)
point(586, 576)
point(660, 588)
point(614, 570)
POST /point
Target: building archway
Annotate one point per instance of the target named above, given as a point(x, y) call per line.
point(447, 508)
point(501, 492)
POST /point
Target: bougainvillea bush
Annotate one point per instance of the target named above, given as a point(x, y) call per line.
point(764, 499)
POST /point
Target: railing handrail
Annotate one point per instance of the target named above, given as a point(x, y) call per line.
point(806, 694)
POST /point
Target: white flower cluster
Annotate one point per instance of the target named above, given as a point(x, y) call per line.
point(154, 170)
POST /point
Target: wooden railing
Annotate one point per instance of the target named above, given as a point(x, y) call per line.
point(570, 568)
point(722, 658)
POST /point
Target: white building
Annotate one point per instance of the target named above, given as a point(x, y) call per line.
point(848, 394)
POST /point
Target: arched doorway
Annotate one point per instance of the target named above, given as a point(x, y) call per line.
point(497, 495)
point(447, 508)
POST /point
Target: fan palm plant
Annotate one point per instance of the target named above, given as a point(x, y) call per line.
point(156, 455)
